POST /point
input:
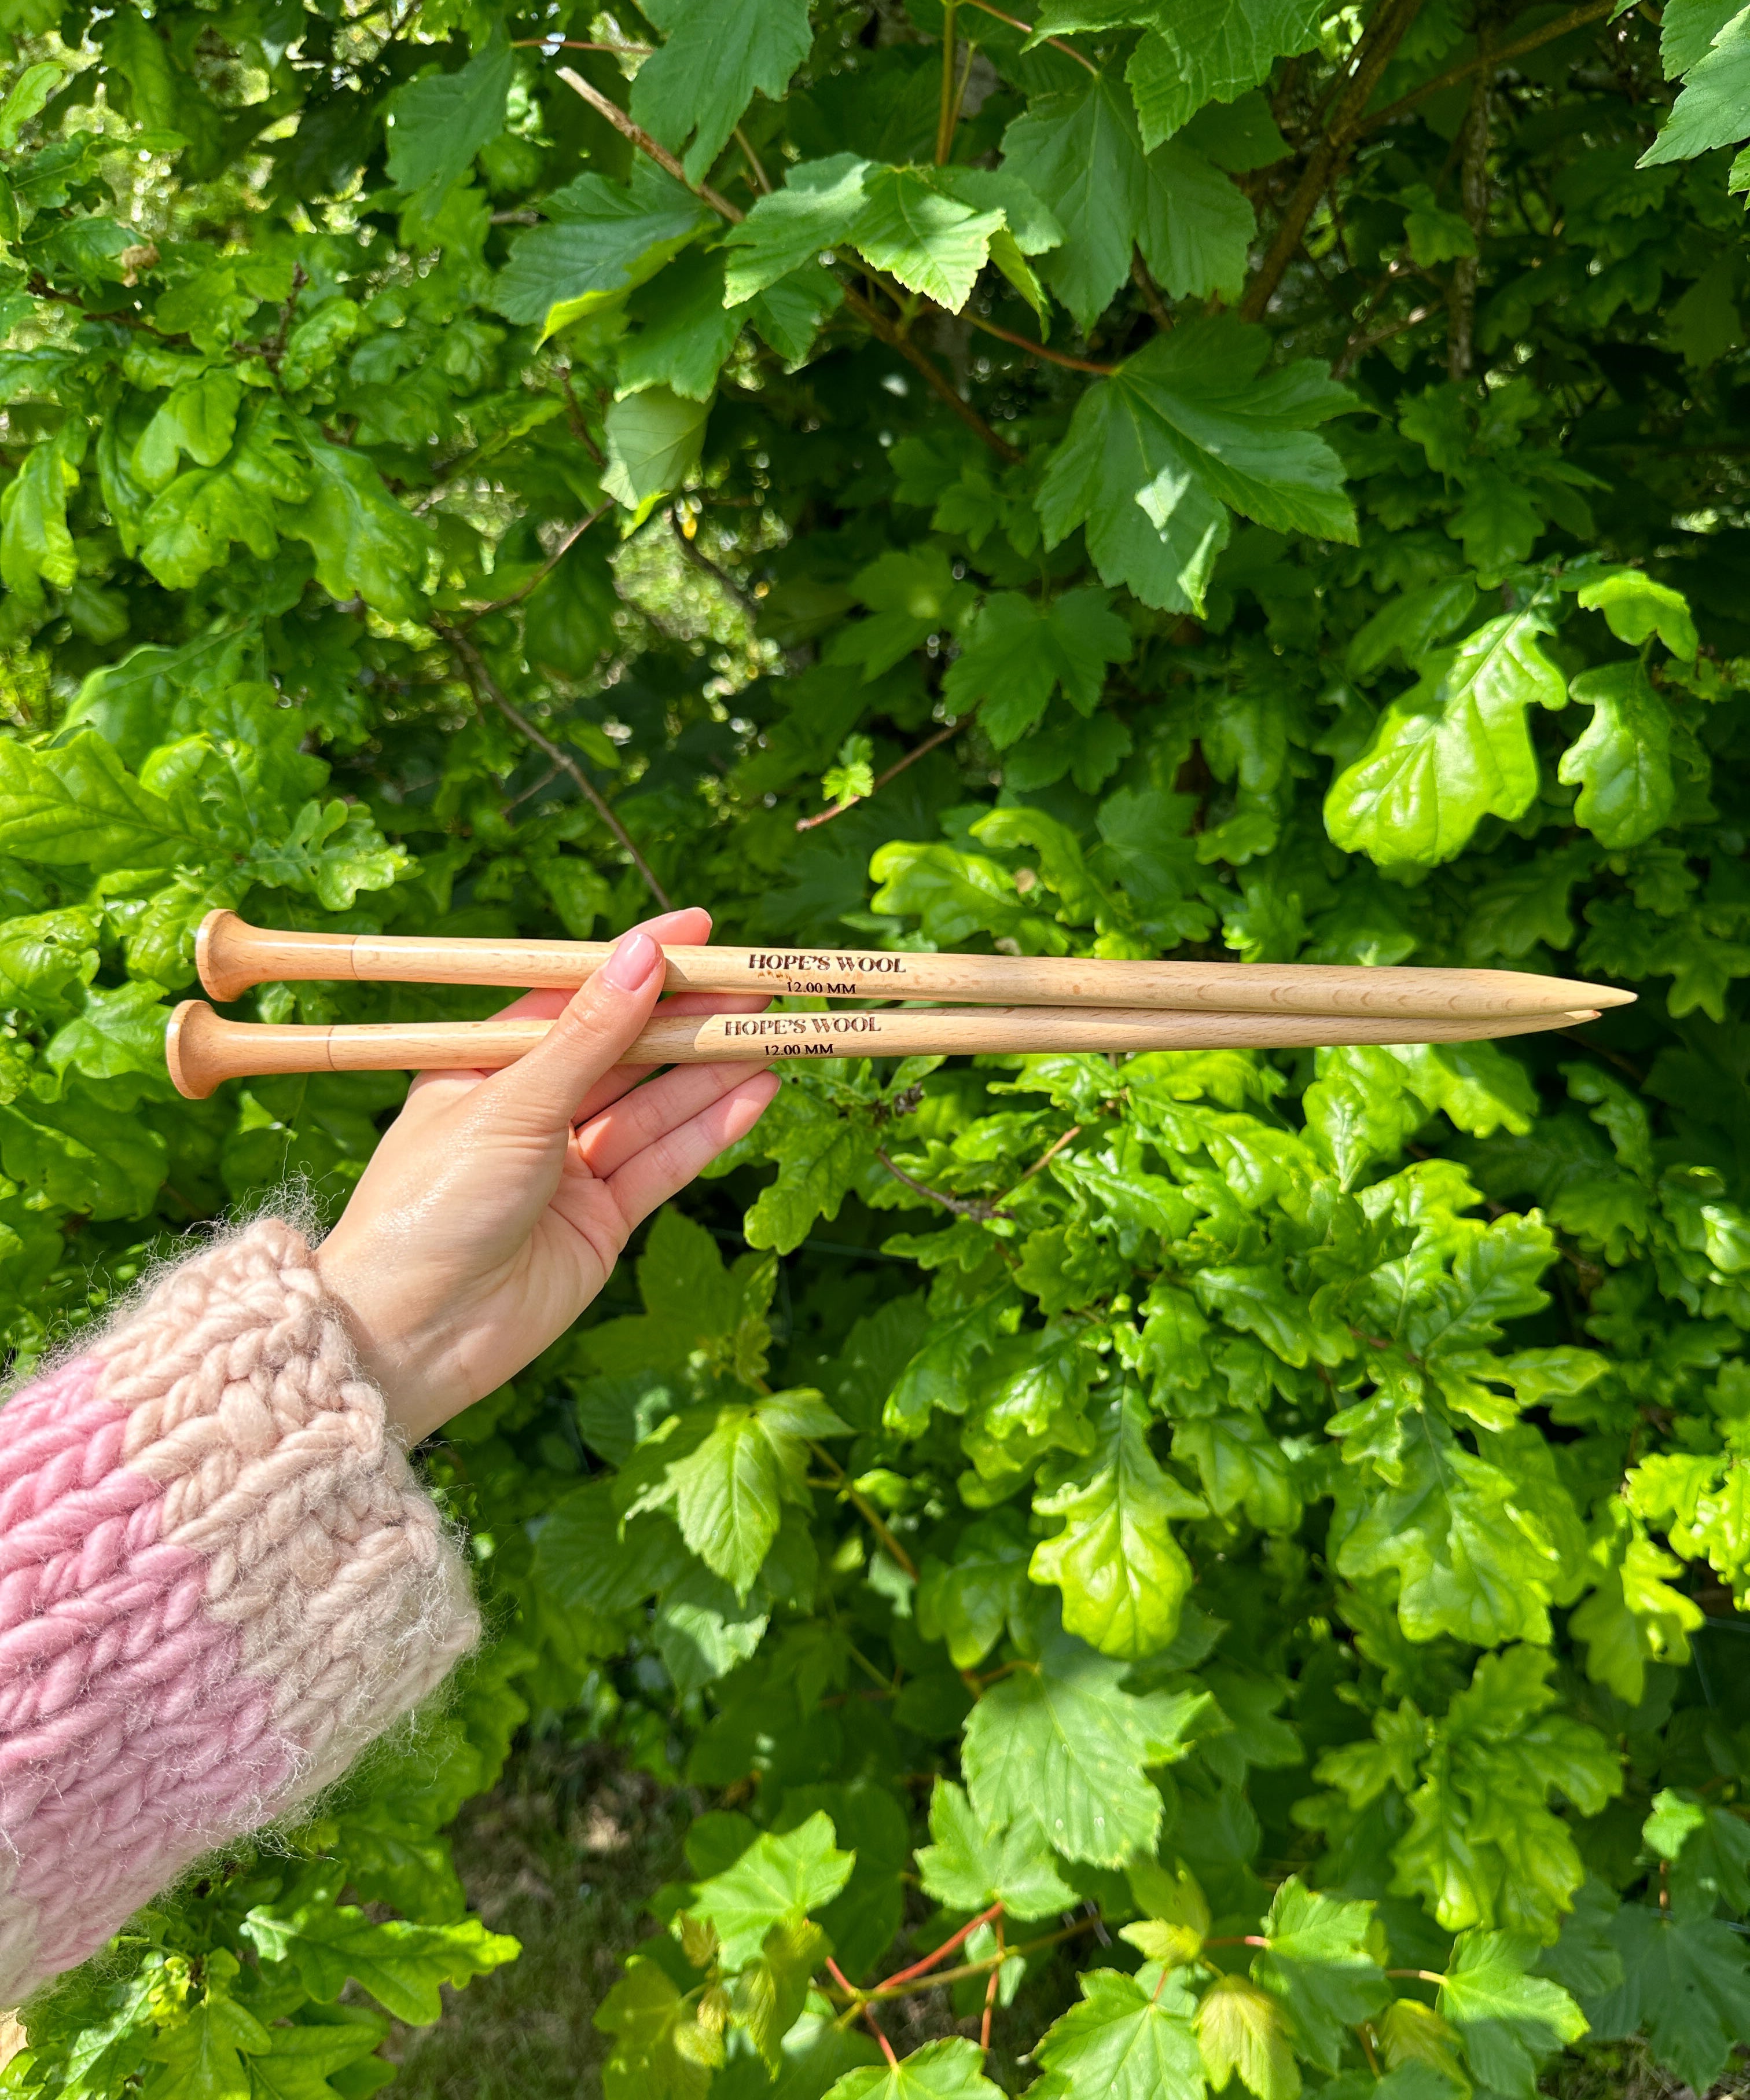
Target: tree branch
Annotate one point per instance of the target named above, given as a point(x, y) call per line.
point(1474, 197)
point(877, 321)
point(1359, 345)
point(546, 569)
point(604, 106)
point(1038, 349)
point(1372, 55)
point(867, 1512)
point(962, 1207)
point(934, 377)
point(701, 560)
point(1576, 18)
point(911, 758)
point(1015, 22)
point(1151, 291)
point(486, 687)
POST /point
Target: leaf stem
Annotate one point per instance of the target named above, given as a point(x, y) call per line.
point(1015, 22)
point(948, 1946)
point(755, 167)
point(1050, 1154)
point(1151, 291)
point(990, 1993)
point(843, 1982)
point(1039, 350)
point(884, 1992)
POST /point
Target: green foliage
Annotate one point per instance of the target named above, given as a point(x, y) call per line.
point(1274, 1528)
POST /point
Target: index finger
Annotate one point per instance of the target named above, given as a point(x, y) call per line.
point(689, 926)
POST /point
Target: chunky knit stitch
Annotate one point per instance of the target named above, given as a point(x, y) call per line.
point(219, 1580)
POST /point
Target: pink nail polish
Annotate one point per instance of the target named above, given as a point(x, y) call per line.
point(633, 957)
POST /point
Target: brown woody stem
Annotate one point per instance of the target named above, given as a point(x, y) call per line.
point(881, 779)
point(486, 687)
point(867, 1512)
point(546, 569)
point(1576, 18)
point(1372, 55)
point(1039, 350)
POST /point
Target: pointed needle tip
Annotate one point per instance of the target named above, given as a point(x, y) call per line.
point(1604, 995)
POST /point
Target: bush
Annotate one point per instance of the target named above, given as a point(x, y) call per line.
point(1223, 479)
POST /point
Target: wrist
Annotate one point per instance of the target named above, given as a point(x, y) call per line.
point(389, 1353)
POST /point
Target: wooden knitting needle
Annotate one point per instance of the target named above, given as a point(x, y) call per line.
point(203, 1049)
point(232, 955)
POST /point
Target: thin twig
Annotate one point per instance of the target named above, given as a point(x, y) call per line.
point(1050, 1154)
point(1015, 22)
point(762, 181)
point(701, 560)
point(1038, 349)
point(574, 414)
point(1371, 57)
point(865, 309)
point(641, 139)
point(541, 786)
point(990, 1993)
point(546, 569)
point(1358, 346)
point(962, 1207)
point(275, 353)
point(911, 758)
point(581, 44)
point(945, 115)
point(1151, 291)
point(866, 1511)
point(941, 1953)
point(486, 686)
point(1576, 18)
point(1461, 305)
point(844, 1983)
point(933, 378)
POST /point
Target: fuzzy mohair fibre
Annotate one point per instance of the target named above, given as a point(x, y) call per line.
point(219, 1580)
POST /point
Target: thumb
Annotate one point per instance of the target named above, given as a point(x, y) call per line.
point(590, 1037)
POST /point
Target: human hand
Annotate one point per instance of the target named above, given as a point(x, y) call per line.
point(497, 1203)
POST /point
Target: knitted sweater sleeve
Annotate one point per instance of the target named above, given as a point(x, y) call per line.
point(219, 1580)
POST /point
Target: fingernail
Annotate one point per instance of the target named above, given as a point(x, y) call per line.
point(633, 958)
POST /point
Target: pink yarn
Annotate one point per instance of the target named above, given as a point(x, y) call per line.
point(217, 1579)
